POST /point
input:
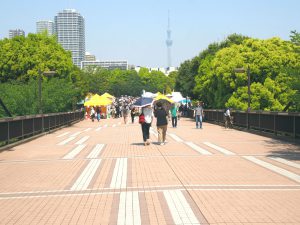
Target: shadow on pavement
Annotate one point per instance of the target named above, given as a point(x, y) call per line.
point(283, 149)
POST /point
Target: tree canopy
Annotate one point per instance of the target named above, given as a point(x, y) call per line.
point(273, 65)
point(23, 57)
point(273, 69)
point(23, 61)
point(295, 37)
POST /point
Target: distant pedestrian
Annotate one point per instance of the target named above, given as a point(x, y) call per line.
point(228, 122)
point(98, 111)
point(113, 112)
point(147, 113)
point(174, 114)
point(92, 114)
point(199, 114)
point(161, 123)
point(118, 111)
point(125, 113)
point(132, 113)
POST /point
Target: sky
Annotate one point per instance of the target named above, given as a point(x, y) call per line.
point(136, 30)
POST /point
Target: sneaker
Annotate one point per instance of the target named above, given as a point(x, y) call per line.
point(147, 142)
point(162, 143)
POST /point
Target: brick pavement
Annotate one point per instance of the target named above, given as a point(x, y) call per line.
point(101, 173)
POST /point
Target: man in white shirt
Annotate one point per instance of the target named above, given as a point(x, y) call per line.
point(148, 113)
point(227, 118)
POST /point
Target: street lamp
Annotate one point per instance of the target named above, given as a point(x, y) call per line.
point(243, 70)
point(45, 73)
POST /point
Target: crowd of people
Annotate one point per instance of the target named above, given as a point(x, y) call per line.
point(124, 107)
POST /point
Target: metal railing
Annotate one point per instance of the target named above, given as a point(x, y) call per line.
point(278, 123)
point(19, 128)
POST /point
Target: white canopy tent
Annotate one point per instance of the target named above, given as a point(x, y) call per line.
point(148, 95)
point(177, 97)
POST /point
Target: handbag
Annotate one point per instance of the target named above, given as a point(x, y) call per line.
point(141, 118)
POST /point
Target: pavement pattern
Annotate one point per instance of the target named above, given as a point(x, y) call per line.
point(101, 173)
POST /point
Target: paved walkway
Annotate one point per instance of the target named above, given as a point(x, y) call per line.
point(101, 173)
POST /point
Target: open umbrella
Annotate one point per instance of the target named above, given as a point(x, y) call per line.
point(184, 101)
point(163, 97)
point(164, 100)
point(143, 101)
point(166, 105)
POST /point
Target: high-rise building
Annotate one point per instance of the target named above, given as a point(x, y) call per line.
point(16, 32)
point(89, 57)
point(70, 30)
point(45, 25)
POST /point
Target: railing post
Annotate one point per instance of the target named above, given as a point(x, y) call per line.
point(40, 92)
point(259, 115)
point(294, 126)
point(8, 138)
point(33, 128)
point(43, 123)
point(275, 131)
point(23, 128)
point(248, 125)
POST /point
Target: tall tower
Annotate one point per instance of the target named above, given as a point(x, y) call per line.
point(169, 42)
point(45, 25)
point(70, 31)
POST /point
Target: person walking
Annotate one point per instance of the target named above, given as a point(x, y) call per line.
point(125, 113)
point(147, 112)
point(198, 114)
point(161, 123)
point(132, 113)
point(98, 111)
point(174, 114)
point(227, 118)
point(92, 114)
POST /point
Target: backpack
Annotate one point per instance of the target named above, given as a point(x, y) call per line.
point(141, 118)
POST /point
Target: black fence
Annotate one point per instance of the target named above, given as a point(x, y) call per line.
point(19, 128)
point(278, 123)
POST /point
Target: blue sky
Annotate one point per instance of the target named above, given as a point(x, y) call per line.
point(135, 30)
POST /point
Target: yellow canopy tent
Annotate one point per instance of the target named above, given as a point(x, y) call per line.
point(107, 95)
point(97, 100)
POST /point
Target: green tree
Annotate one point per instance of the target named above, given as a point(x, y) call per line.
point(59, 95)
point(172, 77)
point(23, 57)
point(295, 37)
point(208, 86)
point(97, 79)
point(156, 81)
point(268, 61)
point(187, 72)
point(21, 98)
point(23, 60)
point(125, 82)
